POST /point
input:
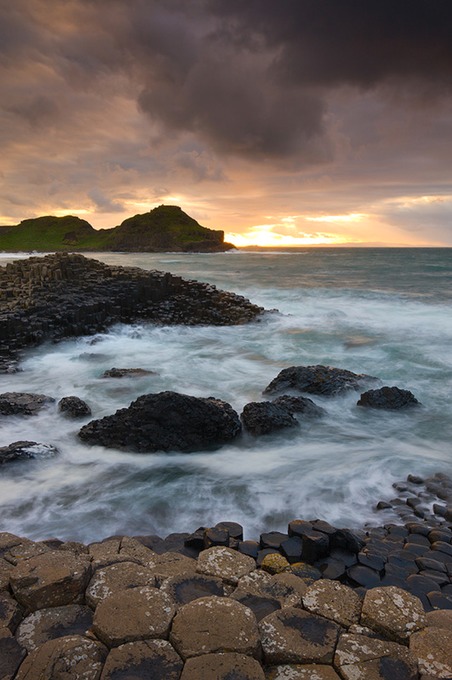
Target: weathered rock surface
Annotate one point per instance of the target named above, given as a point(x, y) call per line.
point(433, 649)
point(134, 614)
point(170, 564)
point(74, 407)
point(117, 577)
point(265, 417)
point(24, 450)
point(185, 588)
point(73, 657)
point(48, 624)
point(214, 624)
point(359, 657)
point(222, 666)
point(300, 405)
point(301, 672)
point(334, 601)
point(225, 563)
point(166, 421)
point(53, 579)
point(324, 380)
point(153, 659)
point(392, 612)
point(392, 398)
point(23, 403)
point(296, 636)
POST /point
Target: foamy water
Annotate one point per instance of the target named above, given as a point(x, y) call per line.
point(385, 313)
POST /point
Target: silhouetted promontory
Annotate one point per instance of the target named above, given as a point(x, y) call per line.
point(166, 228)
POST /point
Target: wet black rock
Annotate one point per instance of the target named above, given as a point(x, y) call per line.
point(250, 548)
point(273, 539)
point(74, 407)
point(166, 421)
point(392, 398)
point(24, 450)
point(216, 536)
point(23, 403)
point(126, 373)
point(265, 417)
point(300, 406)
point(234, 529)
point(324, 380)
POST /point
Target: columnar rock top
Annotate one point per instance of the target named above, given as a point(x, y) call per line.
point(136, 607)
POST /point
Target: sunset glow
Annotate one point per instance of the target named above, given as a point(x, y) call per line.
point(267, 236)
point(166, 103)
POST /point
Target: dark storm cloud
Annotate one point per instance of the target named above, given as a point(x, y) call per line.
point(249, 78)
point(330, 42)
point(253, 77)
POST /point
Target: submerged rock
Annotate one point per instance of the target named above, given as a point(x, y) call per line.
point(264, 417)
point(126, 373)
point(325, 380)
point(24, 450)
point(388, 398)
point(166, 421)
point(74, 407)
point(23, 403)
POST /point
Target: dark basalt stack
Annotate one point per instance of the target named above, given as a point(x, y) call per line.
point(59, 296)
point(166, 422)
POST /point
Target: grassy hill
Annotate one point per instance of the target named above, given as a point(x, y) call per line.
point(48, 234)
point(166, 228)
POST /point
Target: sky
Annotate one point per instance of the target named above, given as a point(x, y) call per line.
point(283, 123)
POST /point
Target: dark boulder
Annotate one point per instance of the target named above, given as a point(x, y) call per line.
point(300, 405)
point(22, 403)
point(264, 417)
point(388, 398)
point(324, 380)
point(126, 373)
point(166, 421)
point(74, 407)
point(24, 450)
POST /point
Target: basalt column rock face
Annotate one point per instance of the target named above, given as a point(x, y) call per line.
point(166, 422)
point(61, 295)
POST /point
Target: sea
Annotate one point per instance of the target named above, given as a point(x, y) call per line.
point(386, 312)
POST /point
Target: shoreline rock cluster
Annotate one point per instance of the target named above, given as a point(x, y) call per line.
point(317, 602)
point(66, 295)
point(201, 606)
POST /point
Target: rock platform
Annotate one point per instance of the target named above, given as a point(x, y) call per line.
point(317, 603)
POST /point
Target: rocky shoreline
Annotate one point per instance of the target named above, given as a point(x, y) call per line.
point(317, 601)
point(67, 295)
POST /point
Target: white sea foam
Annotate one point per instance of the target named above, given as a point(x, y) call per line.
point(354, 315)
